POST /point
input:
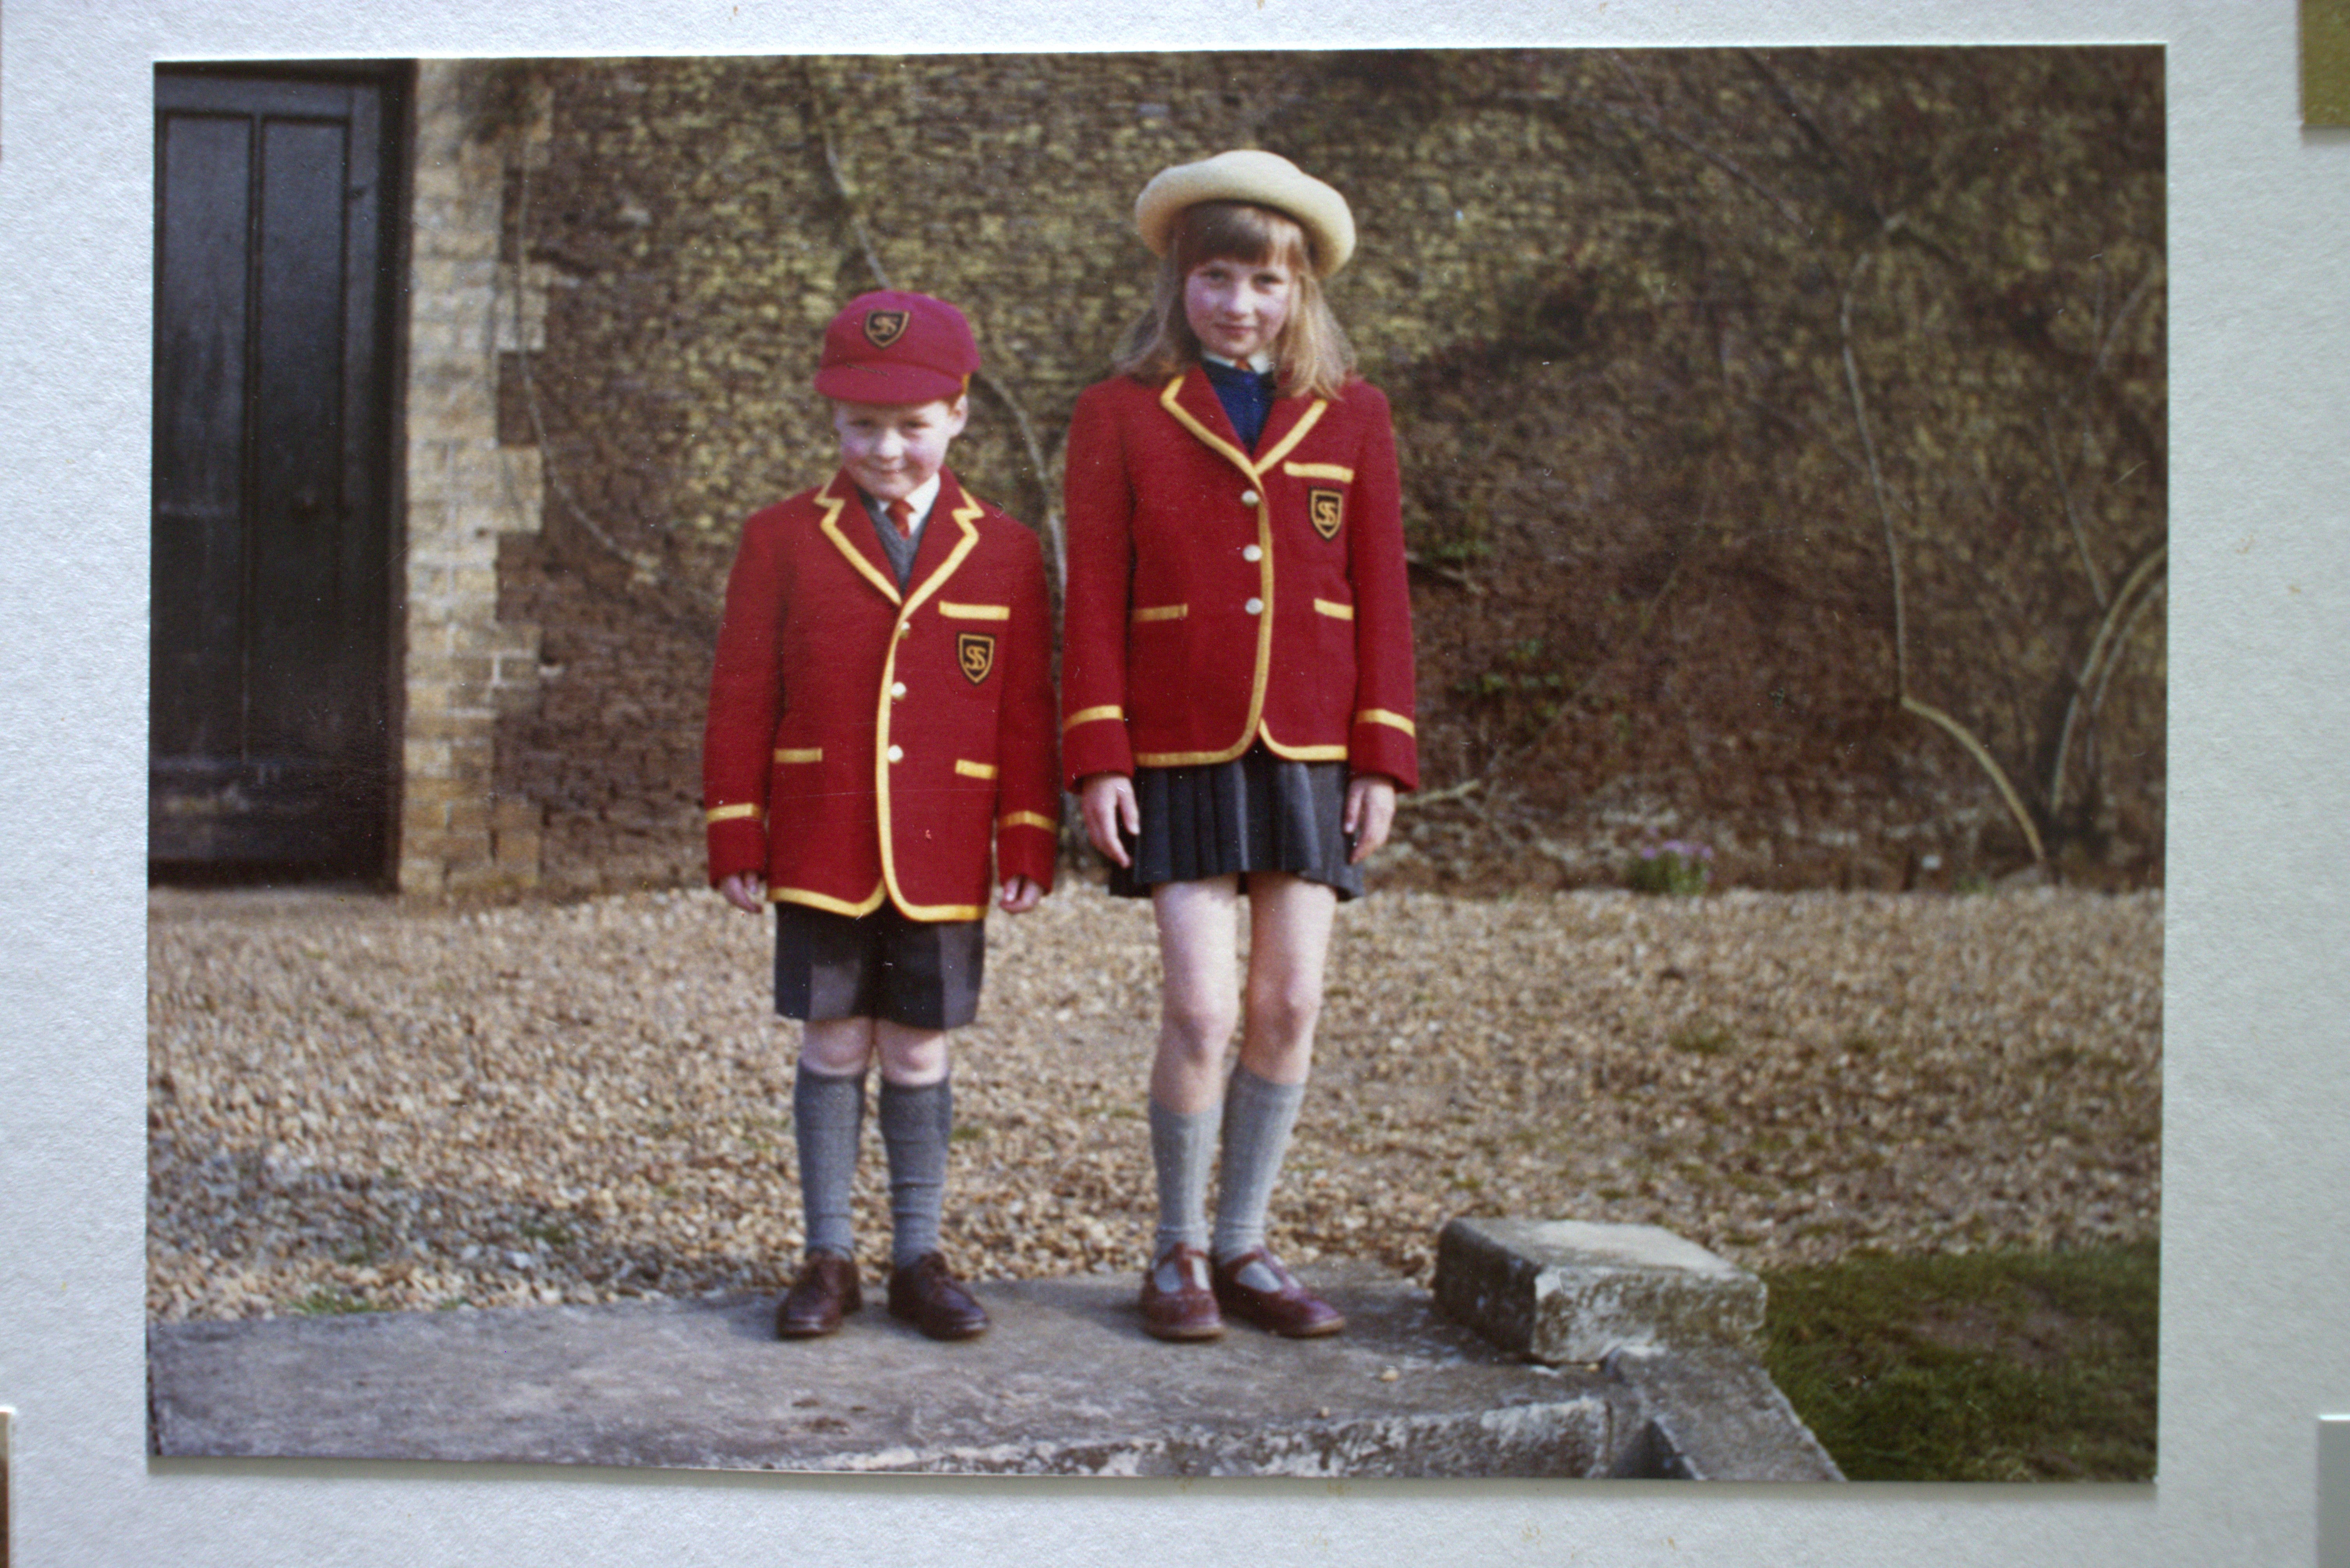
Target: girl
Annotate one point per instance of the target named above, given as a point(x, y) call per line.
point(1237, 686)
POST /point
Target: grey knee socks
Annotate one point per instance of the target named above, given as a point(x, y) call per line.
point(1179, 1147)
point(828, 1116)
point(916, 1123)
point(1258, 1115)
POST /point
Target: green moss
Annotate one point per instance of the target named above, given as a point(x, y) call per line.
point(2004, 1365)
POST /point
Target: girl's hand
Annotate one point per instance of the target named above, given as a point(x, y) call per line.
point(1370, 812)
point(1019, 896)
point(1109, 801)
point(746, 890)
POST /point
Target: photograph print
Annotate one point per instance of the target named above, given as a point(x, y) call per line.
point(1640, 955)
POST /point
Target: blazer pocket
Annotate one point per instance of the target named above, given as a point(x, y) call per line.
point(954, 612)
point(1160, 612)
point(1335, 611)
point(970, 770)
point(799, 753)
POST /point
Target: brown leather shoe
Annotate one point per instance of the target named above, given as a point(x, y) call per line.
point(826, 1290)
point(1184, 1307)
point(927, 1294)
point(1255, 1288)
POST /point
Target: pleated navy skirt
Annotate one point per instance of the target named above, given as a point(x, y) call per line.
point(1257, 812)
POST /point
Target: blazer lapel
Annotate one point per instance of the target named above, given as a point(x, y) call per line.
point(1193, 401)
point(947, 537)
point(844, 522)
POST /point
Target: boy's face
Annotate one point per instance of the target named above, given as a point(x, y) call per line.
point(891, 450)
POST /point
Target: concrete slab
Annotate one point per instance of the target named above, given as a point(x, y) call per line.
point(1570, 1291)
point(1065, 1383)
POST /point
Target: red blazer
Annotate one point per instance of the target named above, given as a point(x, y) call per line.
point(864, 745)
point(1217, 598)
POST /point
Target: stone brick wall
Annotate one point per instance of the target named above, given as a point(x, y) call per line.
point(465, 486)
point(1626, 307)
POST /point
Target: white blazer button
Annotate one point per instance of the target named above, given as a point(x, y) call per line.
point(904, 627)
point(1247, 497)
point(1254, 606)
point(896, 689)
point(897, 753)
point(1251, 553)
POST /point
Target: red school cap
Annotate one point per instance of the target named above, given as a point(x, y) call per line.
point(896, 347)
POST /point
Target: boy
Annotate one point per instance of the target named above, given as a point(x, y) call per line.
point(880, 710)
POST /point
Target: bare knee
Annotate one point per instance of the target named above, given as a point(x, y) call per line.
point(911, 1058)
point(838, 1047)
point(1284, 1009)
point(1197, 1028)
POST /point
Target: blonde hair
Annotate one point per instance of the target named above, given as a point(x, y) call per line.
point(1311, 354)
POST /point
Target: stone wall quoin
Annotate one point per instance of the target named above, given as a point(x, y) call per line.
point(465, 484)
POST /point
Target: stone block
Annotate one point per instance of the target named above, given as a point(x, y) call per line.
point(1570, 1291)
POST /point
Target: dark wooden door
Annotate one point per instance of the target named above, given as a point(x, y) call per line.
point(269, 716)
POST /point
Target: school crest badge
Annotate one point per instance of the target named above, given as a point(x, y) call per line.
point(1324, 509)
point(975, 651)
point(883, 328)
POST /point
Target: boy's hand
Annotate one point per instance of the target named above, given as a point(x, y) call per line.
point(1370, 812)
point(1109, 802)
point(746, 890)
point(1020, 895)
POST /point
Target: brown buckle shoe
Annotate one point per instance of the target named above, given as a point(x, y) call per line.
point(927, 1294)
point(825, 1291)
point(1178, 1302)
point(1255, 1288)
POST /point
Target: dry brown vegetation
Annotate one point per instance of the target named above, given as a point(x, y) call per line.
point(357, 1104)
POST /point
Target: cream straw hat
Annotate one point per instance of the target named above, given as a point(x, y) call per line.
point(1249, 174)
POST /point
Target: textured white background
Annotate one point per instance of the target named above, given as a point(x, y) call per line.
point(2257, 1276)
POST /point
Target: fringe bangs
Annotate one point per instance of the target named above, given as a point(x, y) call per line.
point(1312, 355)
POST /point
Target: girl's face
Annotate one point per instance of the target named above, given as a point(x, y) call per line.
point(1238, 308)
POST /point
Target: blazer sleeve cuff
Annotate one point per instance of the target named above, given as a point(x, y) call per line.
point(1027, 843)
point(1094, 740)
point(737, 844)
point(1380, 746)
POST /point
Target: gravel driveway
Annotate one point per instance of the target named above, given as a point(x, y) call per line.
point(358, 1104)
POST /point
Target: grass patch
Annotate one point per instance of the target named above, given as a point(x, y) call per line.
point(2000, 1367)
point(329, 1301)
point(1703, 1040)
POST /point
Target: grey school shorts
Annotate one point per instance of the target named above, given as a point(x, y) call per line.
point(923, 974)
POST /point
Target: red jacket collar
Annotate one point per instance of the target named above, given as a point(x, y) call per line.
point(844, 519)
point(1196, 397)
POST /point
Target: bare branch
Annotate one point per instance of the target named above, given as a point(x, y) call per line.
point(1982, 756)
point(2071, 510)
point(1875, 478)
point(2105, 639)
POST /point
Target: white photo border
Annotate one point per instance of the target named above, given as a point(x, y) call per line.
point(2257, 1049)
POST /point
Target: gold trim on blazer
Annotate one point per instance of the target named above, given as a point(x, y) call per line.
point(799, 753)
point(1027, 819)
point(1381, 716)
point(962, 518)
point(830, 524)
point(1256, 469)
point(974, 612)
point(1335, 611)
point(826, 902)
point(1338, 471)
point(966, 768)
point(1092, 715)
point(733, 813)
point(1162, 612)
